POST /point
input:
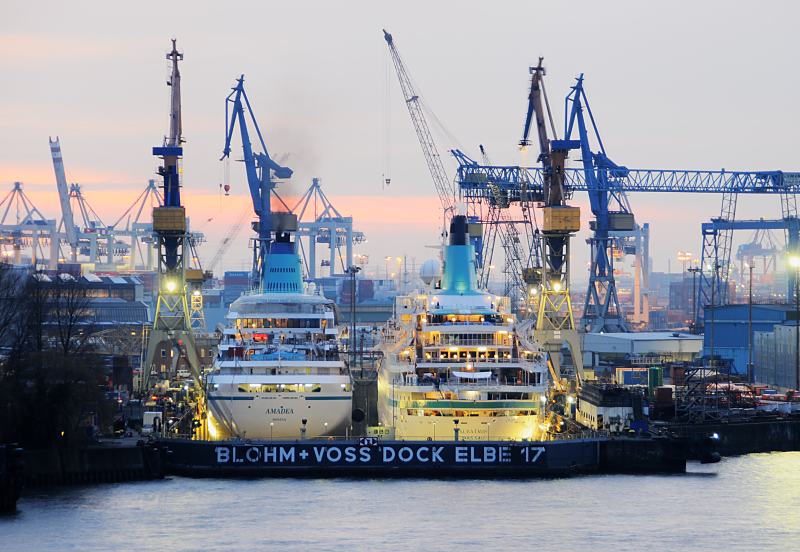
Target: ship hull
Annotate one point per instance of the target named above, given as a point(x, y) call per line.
point(418, 424)
point(279, 415)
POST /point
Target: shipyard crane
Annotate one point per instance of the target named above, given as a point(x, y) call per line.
point(550, 282)
point(261, 172)
point(444, 187)
point(171, 325)
point(521, 249)
point(612, 213)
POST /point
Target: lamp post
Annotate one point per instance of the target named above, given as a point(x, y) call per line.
point(694, 272)
point(352, 271)
point(794, 261)
point(750, 374)
point(271, 425)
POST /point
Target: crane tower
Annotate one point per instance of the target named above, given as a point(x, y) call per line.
point(171, 323)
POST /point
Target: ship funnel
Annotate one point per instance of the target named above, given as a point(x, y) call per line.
point(283, 273)
point(459, 277)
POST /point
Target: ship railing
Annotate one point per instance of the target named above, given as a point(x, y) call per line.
point(454, 382)
point(467, 342)
point(500, 326)
point(460, 363)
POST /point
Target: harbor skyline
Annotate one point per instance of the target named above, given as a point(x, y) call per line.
point(321, 92)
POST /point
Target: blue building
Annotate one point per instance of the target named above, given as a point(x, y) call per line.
point(728, 326)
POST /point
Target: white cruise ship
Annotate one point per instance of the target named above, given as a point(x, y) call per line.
point(278, 374)
point(453, 360)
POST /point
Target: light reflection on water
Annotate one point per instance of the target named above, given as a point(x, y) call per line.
point(745, 503)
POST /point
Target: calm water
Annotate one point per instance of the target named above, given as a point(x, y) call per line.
point(745, 503)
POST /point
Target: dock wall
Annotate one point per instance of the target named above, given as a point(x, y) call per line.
point(745, 437)
point(94, 464)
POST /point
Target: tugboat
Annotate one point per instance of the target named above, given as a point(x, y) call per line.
point(454, 365)
point(277, 374)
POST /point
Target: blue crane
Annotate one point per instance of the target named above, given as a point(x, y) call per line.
point(607, 184)
point(261, 174)
point(612, 213)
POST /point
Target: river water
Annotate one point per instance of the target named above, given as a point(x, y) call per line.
point(745, 503)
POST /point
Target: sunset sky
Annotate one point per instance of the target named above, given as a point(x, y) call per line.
point(680, 85)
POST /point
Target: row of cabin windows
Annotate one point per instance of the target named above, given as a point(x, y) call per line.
point(468, 339)
point(282, 269)
point(467, 319)
point(470, 355)
point(280, 323)
point(286, 388)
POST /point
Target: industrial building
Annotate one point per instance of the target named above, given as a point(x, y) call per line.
point(726, 332)
point(775, 356)
point(639, 348)
point(112, 321)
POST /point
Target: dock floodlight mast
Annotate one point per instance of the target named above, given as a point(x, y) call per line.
point(262, 173)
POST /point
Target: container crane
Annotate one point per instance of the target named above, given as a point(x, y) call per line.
point(68, 221)
point(171, 324)
point(261, 173)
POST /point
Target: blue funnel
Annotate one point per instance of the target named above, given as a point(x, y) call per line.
point(459, 277)
point(282, 273)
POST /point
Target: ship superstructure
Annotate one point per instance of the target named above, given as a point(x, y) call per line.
point(454, 364)
point(278, 374)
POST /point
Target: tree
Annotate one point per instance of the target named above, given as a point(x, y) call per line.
point(70, 314)
point(49, 386)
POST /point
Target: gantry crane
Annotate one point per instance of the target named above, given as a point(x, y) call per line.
point(171, 325)
point(607, 183)
point(261, 172)
point(326, 225)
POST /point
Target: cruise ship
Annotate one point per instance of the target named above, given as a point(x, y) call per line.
point(277, 374)
point(453, 362)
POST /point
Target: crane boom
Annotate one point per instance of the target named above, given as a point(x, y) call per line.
point(444, 188)
point(260, 169)
point(226, 242)
point(63, 196)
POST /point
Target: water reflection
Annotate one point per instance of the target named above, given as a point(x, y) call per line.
point(739, 504)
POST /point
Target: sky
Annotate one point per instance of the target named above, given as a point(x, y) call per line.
point(678, 85)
